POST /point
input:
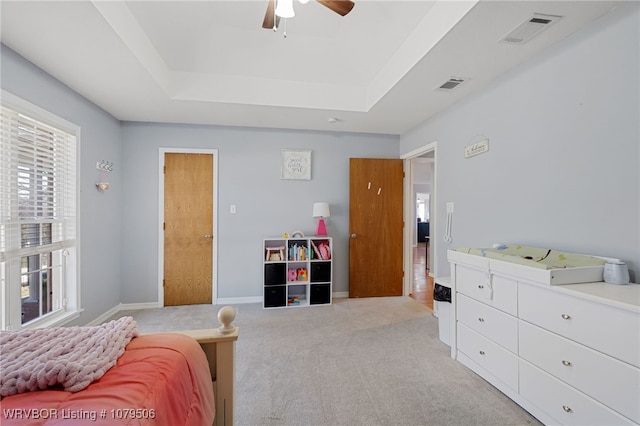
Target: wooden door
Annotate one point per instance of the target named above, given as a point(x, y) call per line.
point(188, 228)
point(376, 227)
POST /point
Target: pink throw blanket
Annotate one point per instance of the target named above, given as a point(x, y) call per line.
point(73, 357)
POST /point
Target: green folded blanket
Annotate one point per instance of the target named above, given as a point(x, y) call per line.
point(536, 257)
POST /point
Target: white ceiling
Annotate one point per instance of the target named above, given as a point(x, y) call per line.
point(211, 62)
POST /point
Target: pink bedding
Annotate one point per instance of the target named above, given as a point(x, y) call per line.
point(161, 379)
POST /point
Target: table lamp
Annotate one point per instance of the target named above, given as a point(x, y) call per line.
point(321, 210)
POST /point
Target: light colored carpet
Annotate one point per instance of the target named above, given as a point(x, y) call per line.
point(374, 361)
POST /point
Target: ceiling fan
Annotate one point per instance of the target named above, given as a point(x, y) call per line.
point(272, 19)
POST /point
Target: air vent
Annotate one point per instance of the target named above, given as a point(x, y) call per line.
point(530, 28)
point(451, 84)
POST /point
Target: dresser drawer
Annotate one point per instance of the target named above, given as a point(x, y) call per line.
point(494, 290)
point(494, 358)
point(608, 329)
point(495, 325)
point(562, 402)
point(614, 383)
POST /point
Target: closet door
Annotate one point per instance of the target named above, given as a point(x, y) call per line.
point(188, 229)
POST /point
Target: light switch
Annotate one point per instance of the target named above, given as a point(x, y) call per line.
point(232, 209)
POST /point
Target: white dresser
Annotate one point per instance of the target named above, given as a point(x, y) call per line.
point(568, 354)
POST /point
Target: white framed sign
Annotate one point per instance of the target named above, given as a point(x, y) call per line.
point(296, 164)
point(476, 148)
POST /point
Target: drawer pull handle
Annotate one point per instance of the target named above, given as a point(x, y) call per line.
point(566, 363)
point(565, 316)
point(480, 286)
point(481, 319)
point(567, 409)
point(481, 352)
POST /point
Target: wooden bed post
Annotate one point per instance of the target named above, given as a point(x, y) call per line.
point(219, 345)
point(225, 373)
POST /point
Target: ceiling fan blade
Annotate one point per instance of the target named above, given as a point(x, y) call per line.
point(268, 16)
point(341, 7)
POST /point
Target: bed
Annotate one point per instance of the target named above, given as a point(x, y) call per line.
point(178, 378)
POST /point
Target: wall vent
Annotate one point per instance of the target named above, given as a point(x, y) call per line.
point(450, 84)
point(530, 28)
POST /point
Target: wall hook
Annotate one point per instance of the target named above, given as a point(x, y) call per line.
point(104, 166)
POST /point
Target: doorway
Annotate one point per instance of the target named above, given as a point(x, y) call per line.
point(188, 227)
point(420, 256)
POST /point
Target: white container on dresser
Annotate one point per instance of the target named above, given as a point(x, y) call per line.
point(568, 354)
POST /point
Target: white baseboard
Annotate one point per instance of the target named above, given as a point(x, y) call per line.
point(238, 300)
point(102, 318)
point(136, 306)
point(122, 307)
point(221, 301)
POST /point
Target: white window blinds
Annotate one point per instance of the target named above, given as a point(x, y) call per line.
point(37, 186)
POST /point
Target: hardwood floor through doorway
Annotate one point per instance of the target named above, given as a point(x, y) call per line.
point(422, 283)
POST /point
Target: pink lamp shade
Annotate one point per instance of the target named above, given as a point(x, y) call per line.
point(321, 210)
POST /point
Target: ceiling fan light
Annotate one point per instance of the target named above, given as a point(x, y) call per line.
point(304, 1)
point(284, 9)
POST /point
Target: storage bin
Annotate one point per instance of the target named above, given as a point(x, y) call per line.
point(274, 296)
point(442, 308)
point(320, 294)
point(275, 273)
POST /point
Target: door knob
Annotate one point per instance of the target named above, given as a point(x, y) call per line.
point(207, 237)
point(353, 236)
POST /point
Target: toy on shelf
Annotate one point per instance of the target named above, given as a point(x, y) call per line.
point(321, 250)
point(292, 275)
point(302, 274)
point(293, 300)
point(274, 253)
point(325, 252)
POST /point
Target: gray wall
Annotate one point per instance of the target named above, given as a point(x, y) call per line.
point(563, 166)
point(249, 177)
point(119, 228)
point(100, 213)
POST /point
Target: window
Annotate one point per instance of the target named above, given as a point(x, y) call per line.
point(38, 216)
point(422, 207)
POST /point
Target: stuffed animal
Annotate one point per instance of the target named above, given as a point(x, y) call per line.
point(302, 274)
point(292, 274)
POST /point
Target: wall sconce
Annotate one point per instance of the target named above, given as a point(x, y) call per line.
point(321, 210)
point(102, 186)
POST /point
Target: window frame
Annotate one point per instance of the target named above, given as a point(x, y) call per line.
point(10, 297)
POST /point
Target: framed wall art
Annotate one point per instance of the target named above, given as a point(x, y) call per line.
point(296, 164)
